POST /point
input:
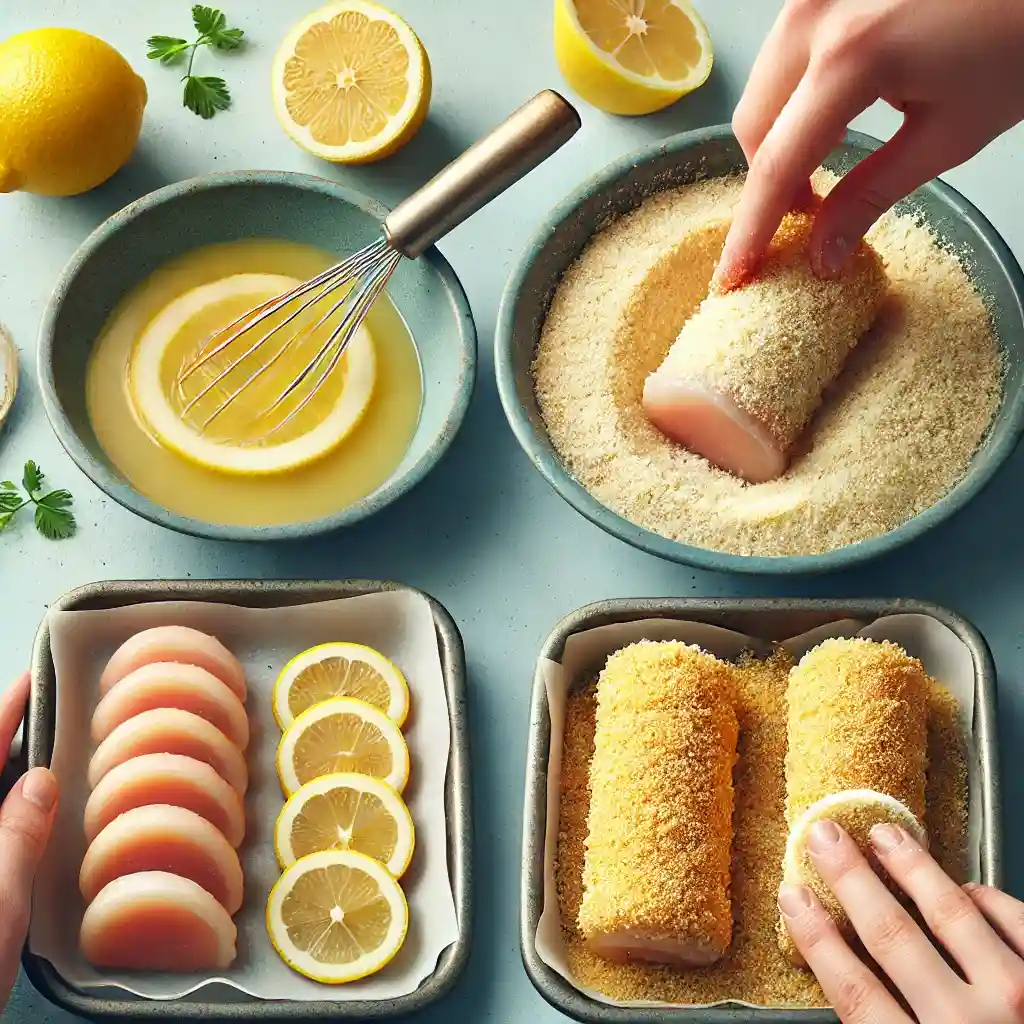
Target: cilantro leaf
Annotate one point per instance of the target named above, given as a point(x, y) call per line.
point(10, 501)
point(8, 485)
point(226, 38)
point(205, 95)
point(57, 499)
point(54, 523)
point(32, 479)
point(166, 49)
point(5, 520)
point(207, 20)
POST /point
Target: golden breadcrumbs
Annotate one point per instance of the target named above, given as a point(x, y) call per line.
point(660, 823)
point(895, 433)
point(753, 970)
point(773, 346)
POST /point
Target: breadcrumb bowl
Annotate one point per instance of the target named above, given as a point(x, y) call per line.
point(982, 278)
point(753, 981)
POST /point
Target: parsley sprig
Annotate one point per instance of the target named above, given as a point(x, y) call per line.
point(204, 94)
point(53, 516)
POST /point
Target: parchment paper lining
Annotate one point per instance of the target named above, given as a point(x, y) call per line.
point(944, 655)
point(401, 626)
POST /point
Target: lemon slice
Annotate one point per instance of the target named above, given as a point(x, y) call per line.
point(337, 916)
point(351, 82)
point(342, 735)
point(340, 670)
point(243, 439)
point(346, 811)
point(631, 56)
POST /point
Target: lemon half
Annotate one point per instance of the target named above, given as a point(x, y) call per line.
point(337, 916)
point(237, 442)
point(342, 735)
point(632, 56)
point(351, 82)
point(347, 811)
point(340, 670)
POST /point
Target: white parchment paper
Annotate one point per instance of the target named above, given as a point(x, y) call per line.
point(944, 655)
point(401, 626)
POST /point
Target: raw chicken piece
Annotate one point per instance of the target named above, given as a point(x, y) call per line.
point(166, 779)
point(155, 921)
point(164, 838)
point(178, 644)
point(169, 685)
point(170, 731)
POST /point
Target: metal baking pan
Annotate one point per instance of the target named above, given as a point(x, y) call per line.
point(769, 619)
point(37, 749)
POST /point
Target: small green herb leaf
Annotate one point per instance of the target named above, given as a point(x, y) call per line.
point(53, 516)
point(166, 49)
point(54, 523)
point(32, 479)
point(205, 95)
point(207, 19)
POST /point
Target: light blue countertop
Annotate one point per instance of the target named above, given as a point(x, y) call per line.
point(484, 534)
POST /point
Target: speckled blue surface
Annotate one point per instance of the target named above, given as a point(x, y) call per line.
point(483, 532)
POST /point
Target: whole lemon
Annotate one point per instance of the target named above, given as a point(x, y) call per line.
point(70, 112)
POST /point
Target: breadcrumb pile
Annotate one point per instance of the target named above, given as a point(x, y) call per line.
point(895, 432)
point(754, 969)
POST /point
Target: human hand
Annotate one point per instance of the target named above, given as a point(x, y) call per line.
point(952, 68)
point(26, 818)
point(982, 928)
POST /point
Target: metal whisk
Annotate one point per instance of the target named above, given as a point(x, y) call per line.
point(484, 171)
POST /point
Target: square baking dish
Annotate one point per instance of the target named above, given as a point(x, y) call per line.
point(37, 750)
point(769, 619)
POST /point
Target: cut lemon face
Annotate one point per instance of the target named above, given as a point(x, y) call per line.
point(249, 435)
point(340, 670)
point(342, 735)
point(347, 811)
point(337, 916)
point(632, 56)
point(351, 82)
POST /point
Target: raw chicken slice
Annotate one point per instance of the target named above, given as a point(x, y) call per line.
point(170, 731)
point(169, 685)
point(166, 779)
point(164, 838)
point(178, 644)
point(155, 921)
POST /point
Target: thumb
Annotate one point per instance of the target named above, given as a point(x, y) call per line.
point(919, 151)
point(26, 819)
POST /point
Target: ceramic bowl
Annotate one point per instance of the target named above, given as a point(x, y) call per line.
point(224, 207)
point(621, 187)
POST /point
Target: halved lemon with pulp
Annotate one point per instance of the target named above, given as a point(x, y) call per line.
point(351, 82)
point(337, 916)
point(342, 735)
point(340, 670)
point(347, 811)
point(632, 56)
point(225, 415)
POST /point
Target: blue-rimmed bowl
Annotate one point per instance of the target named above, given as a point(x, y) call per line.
point(710, 152)
point(137, 240)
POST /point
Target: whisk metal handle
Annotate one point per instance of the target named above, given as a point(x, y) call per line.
point(518, 145)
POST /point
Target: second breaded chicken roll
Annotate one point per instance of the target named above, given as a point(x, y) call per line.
point(749, 368)
point(857, 754)
point(657, 864)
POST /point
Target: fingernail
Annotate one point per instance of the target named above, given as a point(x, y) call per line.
point(832, 257)
point(823, 836)
point(970, 888)
point(40, 788)
point(794, 900)
point(885, 838)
